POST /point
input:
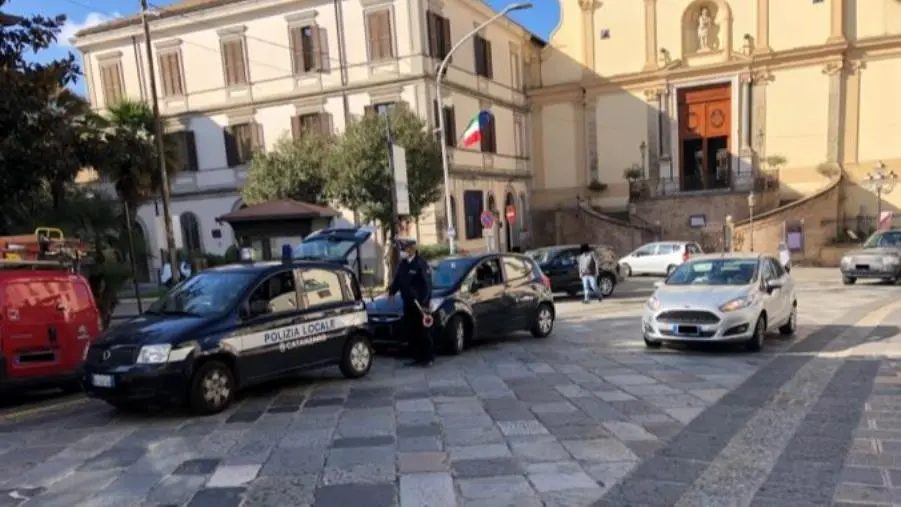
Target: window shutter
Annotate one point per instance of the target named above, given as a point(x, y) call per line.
point(432, 23)
point(387, 43)
point(296, 127)
point(369, 110)
point(315, 51)
point(450, 123)
point(373, 35)
point(297, 49)
point(241, 74)
point(325, 124)
point(477, 54)
point(489, 63)
point(191, 151)
point(227, 64)
point(325, 63)
point(257, 141)
point(446, 38)
point(231, 147)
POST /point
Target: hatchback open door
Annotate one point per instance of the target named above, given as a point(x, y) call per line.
point(336, 244)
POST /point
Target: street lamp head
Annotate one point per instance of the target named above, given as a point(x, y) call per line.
point(518, 6)
point(752, 199)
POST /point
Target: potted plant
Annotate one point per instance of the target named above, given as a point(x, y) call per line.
point(597, 186)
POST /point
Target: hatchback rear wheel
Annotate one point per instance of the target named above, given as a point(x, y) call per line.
point(357, 358)
point(606, 285)
point(544, 321)
point(456, 337)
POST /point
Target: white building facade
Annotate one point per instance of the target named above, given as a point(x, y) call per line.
point(236, 75)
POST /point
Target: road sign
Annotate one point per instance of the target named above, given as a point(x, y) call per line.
point(511, 214)
point(487, 219)
point(451, 233)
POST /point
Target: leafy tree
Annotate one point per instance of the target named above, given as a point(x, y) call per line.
point(127, 135)
point(295, 169)
point(41, 145)
point(359, 175)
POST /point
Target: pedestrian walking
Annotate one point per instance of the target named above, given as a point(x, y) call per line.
point(413, 280)
point(589, 269)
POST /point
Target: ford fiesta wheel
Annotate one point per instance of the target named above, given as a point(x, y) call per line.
point(755, 343)
point(357, 358)
point(212, 388)
point(544, 321)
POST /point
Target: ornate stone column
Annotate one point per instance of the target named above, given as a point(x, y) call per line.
point(650, 35)
point(581, 158)
point(835, 73)
point(760, 78)
point(745, 153)
point(589, 38)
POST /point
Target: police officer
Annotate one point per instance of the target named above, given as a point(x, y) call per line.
point(413, 279)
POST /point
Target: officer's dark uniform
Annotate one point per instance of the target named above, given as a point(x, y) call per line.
point(413, 280)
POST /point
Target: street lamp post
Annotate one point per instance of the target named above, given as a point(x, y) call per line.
point(752, 201)
point(882, 183)
point(438, 79)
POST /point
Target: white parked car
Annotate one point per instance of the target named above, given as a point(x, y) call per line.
point(658, 258)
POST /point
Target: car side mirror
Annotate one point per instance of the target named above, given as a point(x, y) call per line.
point(771, 285)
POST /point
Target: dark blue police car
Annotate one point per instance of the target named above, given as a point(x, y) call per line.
point(230, 327)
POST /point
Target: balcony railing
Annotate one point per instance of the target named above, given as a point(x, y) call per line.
point(759, 181)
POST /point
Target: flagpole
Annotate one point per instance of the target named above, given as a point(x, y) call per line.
point(438, 79)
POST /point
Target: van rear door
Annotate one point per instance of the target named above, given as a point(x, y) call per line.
point(80, 321)
point(33, 326)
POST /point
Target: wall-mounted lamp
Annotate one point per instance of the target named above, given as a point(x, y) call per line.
point(605, 34)
point(748, 46)
point(664, 58)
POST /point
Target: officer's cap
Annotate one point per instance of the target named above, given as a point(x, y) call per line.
point(405, 243)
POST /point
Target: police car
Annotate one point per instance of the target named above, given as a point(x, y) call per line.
point(230, 327)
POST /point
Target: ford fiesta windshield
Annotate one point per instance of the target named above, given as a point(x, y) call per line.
point(205, 294)
point(324, 248)
point(884, 239)
point(716, 272)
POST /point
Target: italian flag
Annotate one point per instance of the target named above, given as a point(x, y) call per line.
point(473, 132)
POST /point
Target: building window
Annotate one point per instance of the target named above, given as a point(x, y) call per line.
point(519, 136)
point(184, 145)
point(473, 205)
point(515, 71)
point(241, 141)
point(439, 35)
point(112, 82)
point(379, 108)
point(379, 32)
point(171, 74)
point(234, 62)
point(488, 143)
point(313, 123)
point(309, 49)
point(484, 65)
point(190, 232)
point(450, 123)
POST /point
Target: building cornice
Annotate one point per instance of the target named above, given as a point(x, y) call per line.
point(769, 61)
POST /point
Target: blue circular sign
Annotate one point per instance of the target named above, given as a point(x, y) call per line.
point(487, 219)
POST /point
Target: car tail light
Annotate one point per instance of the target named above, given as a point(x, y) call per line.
point(546, 281)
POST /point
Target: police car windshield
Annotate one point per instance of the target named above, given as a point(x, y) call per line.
point(205, 294)
point(324, 248)
point(447, 273)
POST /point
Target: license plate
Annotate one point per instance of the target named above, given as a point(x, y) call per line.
point(686, 330)
point(863, 266)
point(102, 380)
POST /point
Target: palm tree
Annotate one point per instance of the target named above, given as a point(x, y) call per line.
point(129, 160)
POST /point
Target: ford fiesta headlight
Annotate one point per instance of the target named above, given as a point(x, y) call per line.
point(737, 304)
point(653, 304)
point(154, 354)
point(845, 261)
point(435, 304)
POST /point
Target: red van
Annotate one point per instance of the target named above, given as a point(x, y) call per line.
point(48, 318)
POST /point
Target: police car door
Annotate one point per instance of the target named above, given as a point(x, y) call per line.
point(269, 317)
point(329, 310)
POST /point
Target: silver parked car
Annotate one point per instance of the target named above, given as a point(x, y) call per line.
point(878, 258)
point(731, 297)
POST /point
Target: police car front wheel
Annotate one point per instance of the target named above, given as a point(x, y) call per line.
point(357, 358)
point(212, 388)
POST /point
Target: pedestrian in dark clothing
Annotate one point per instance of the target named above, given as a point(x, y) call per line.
point(413, 280)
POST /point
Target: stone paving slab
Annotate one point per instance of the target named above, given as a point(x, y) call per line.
point(557, 422)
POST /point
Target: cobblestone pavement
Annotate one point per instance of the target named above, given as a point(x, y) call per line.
point(587, 417)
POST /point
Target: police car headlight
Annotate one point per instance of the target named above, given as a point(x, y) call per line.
point(435, 304)
point(154, 354)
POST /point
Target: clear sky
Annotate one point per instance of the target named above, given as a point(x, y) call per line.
point(541, 19)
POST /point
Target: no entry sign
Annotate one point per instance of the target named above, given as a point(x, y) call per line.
point(511, 214)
